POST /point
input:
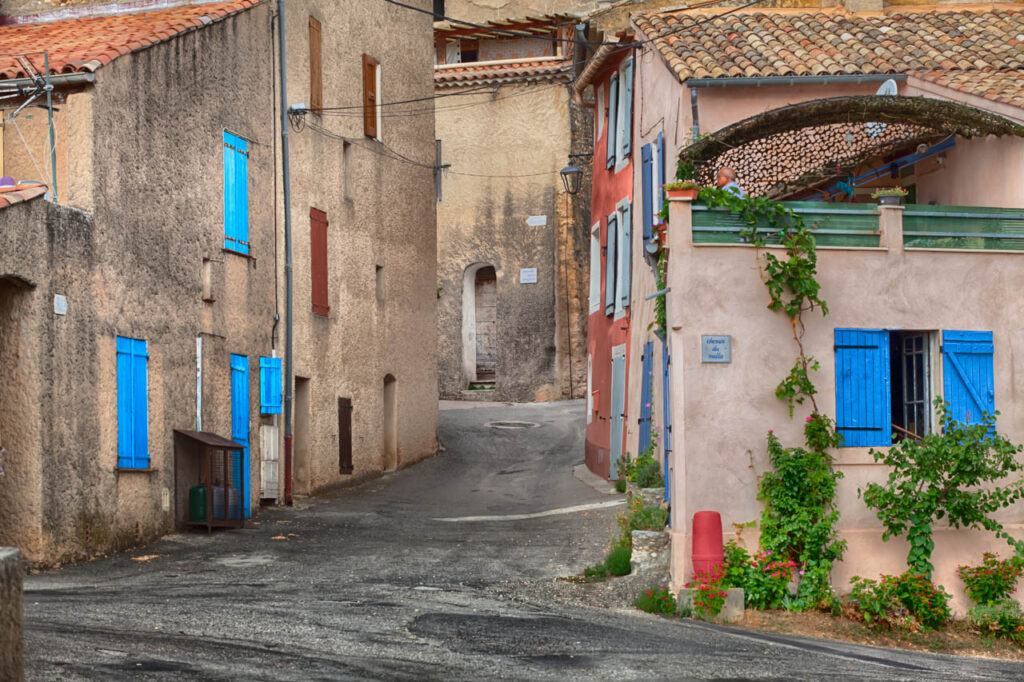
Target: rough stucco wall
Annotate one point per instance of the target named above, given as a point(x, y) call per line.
point(724, 449)
point(526, 130)
point(483, 10)
point(165, 180)
point(135, 270)
point(11, 614)
point(381, 213)
point(22, 310)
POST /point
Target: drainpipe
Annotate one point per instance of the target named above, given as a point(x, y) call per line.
point(49, 115)
point(693, 108)
point(287, 260)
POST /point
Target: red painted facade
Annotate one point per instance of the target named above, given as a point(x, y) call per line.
point(609, 188)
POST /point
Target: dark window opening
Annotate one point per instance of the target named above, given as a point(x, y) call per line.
point(438, 9)
point(469, 51)
point(345, 435)
point(910, 372)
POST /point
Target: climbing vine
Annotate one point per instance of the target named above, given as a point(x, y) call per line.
point(799, 518)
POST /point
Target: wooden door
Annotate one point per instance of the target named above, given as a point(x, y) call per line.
point(486, 297)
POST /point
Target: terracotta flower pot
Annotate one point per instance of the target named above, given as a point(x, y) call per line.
point(690, 193)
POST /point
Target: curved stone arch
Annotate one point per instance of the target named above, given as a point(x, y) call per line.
point(16, 281)
point(871, 125)
point(469, 321)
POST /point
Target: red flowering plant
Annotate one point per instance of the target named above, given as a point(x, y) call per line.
point(904, 602)
point(656, 600)
point(708, 593)
point(768, 580)
point(992, 582)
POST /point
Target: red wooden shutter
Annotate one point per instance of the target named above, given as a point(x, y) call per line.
point(369, 96)
point(318, 260)
point(316, 88)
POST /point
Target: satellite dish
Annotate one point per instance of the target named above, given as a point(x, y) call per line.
point(887, 89)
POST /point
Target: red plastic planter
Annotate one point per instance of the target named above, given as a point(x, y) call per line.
point(707, 542)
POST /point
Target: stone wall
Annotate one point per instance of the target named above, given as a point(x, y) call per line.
point(11, 614)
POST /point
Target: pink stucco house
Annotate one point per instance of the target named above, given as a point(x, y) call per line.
point(922, 299)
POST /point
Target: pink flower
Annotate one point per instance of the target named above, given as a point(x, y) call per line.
point(808, 420)
point(770, 432)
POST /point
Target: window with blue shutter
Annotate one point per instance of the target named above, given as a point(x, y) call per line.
point(270, 386)
point(610, 265)
point(968, 375)
point(613, 123)
point(132, 405)
point(626, 112)
point(863, 399)
point(236, 193)
point(646, 180)
point(646, 390)
point(625, 255)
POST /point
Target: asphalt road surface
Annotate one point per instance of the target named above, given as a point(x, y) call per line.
point(442, 571)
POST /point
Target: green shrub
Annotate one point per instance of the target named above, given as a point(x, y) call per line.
point(1002, 620)
point(620, 485)
point(618, 560)
point(646, 472)
point(946, 476)
point(623, 467)
point(648, 518)
point(656, 600)
point(992, 582)
point(596, 572)
point(903, 602)
point(736, 565)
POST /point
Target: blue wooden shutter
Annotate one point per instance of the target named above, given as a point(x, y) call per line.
point(666, 407)
point(625, 255)
point(609, 266)
point(613, 104)
point(863, 403)
point(627, 109)
point(270, 386)
point(236, 193)
point(661, 174)
point(240, 426)
point(646, 190)
point(968, 375)
point(132, 407)
point(646, 410)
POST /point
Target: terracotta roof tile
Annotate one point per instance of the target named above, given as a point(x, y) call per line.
point(88, 43)
point(16, 194)
point(1006, 86)
point(526, 70)
point(780, 43)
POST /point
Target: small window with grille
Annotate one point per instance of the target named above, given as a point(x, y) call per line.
point(911, 375)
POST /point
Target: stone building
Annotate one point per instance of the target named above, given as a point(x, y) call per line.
point(106, 288)
point(511, 242)
point(144, 293)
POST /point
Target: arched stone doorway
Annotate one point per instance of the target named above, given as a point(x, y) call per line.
point(479, 324)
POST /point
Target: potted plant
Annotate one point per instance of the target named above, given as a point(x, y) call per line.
point(682, 189)
point(890, 196)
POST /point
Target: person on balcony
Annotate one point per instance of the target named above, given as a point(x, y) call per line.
point(727, 181)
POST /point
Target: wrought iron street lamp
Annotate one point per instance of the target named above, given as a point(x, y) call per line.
point(571, 178)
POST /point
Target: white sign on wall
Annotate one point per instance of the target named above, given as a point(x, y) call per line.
point(537, 221)
point(528, 276)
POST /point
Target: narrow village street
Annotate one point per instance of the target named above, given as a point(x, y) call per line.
point(443, 570)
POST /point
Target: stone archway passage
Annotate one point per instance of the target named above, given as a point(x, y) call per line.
point(485, 299)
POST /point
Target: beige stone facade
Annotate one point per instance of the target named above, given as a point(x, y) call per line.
point(136, 249)
point(503, 210)
point(126, 249)
point(378, 196)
